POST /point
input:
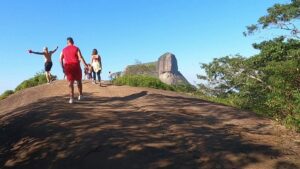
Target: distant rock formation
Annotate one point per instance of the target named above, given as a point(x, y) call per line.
point(167, 69)
point(167, 63)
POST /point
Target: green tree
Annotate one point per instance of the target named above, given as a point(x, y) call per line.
point(268, 83)
point(279, 16)
point(222, 75)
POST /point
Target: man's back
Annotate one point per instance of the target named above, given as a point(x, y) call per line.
point(70, 54)
point(48, 57)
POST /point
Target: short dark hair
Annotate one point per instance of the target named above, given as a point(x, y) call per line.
point(95, 52)
point(70, 39)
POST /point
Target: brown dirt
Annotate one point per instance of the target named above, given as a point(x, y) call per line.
point(125, 127)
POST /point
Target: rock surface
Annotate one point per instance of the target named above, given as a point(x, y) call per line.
point(167, 63)
point(167, 69)
point(121, 127)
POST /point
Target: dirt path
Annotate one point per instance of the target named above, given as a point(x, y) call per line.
point(125, 127)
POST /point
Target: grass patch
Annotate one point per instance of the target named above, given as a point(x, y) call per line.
point(151, 82)
point(142, 81)
point(290, 121)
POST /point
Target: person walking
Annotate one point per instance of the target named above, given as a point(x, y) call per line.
point(70, 59)
point(48, 61)
point(96, 65)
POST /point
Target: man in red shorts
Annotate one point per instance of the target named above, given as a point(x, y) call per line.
point(70, 61)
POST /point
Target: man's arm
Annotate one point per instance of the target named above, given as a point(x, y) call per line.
point(54, 50)
point(80, 57)
point(62, 61)
point(38, 53)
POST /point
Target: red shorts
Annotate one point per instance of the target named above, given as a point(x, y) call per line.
point(73, 71)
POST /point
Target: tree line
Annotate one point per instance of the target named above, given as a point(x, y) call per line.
point(268, 82)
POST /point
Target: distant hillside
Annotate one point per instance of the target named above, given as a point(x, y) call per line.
point(149, 69)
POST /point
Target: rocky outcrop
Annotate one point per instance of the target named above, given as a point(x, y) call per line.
point(167, 69)
point(167, 63)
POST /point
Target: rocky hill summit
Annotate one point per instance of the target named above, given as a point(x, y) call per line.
point(121, 127)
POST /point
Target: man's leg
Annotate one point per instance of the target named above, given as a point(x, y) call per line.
point(71, 87)
point(79, 86)
point(50, 76)
point(47, 77)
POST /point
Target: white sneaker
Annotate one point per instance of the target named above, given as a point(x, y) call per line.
point(93, 82)
point(80, 97)
point(71, 101)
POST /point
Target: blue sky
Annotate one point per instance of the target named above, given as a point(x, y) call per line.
point(124, 31)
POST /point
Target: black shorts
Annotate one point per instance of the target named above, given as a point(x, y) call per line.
point(48, 66)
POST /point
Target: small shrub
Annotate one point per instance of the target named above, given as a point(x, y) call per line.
point(6, 94)
point(187, 88)
point(293, 122)
point(38, 79)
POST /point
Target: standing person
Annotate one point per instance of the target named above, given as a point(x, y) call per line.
point(97, 66)
point(70, 59)
point(48, 61)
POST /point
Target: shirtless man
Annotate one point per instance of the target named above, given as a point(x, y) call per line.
point(48, 61)
point(70, 59)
